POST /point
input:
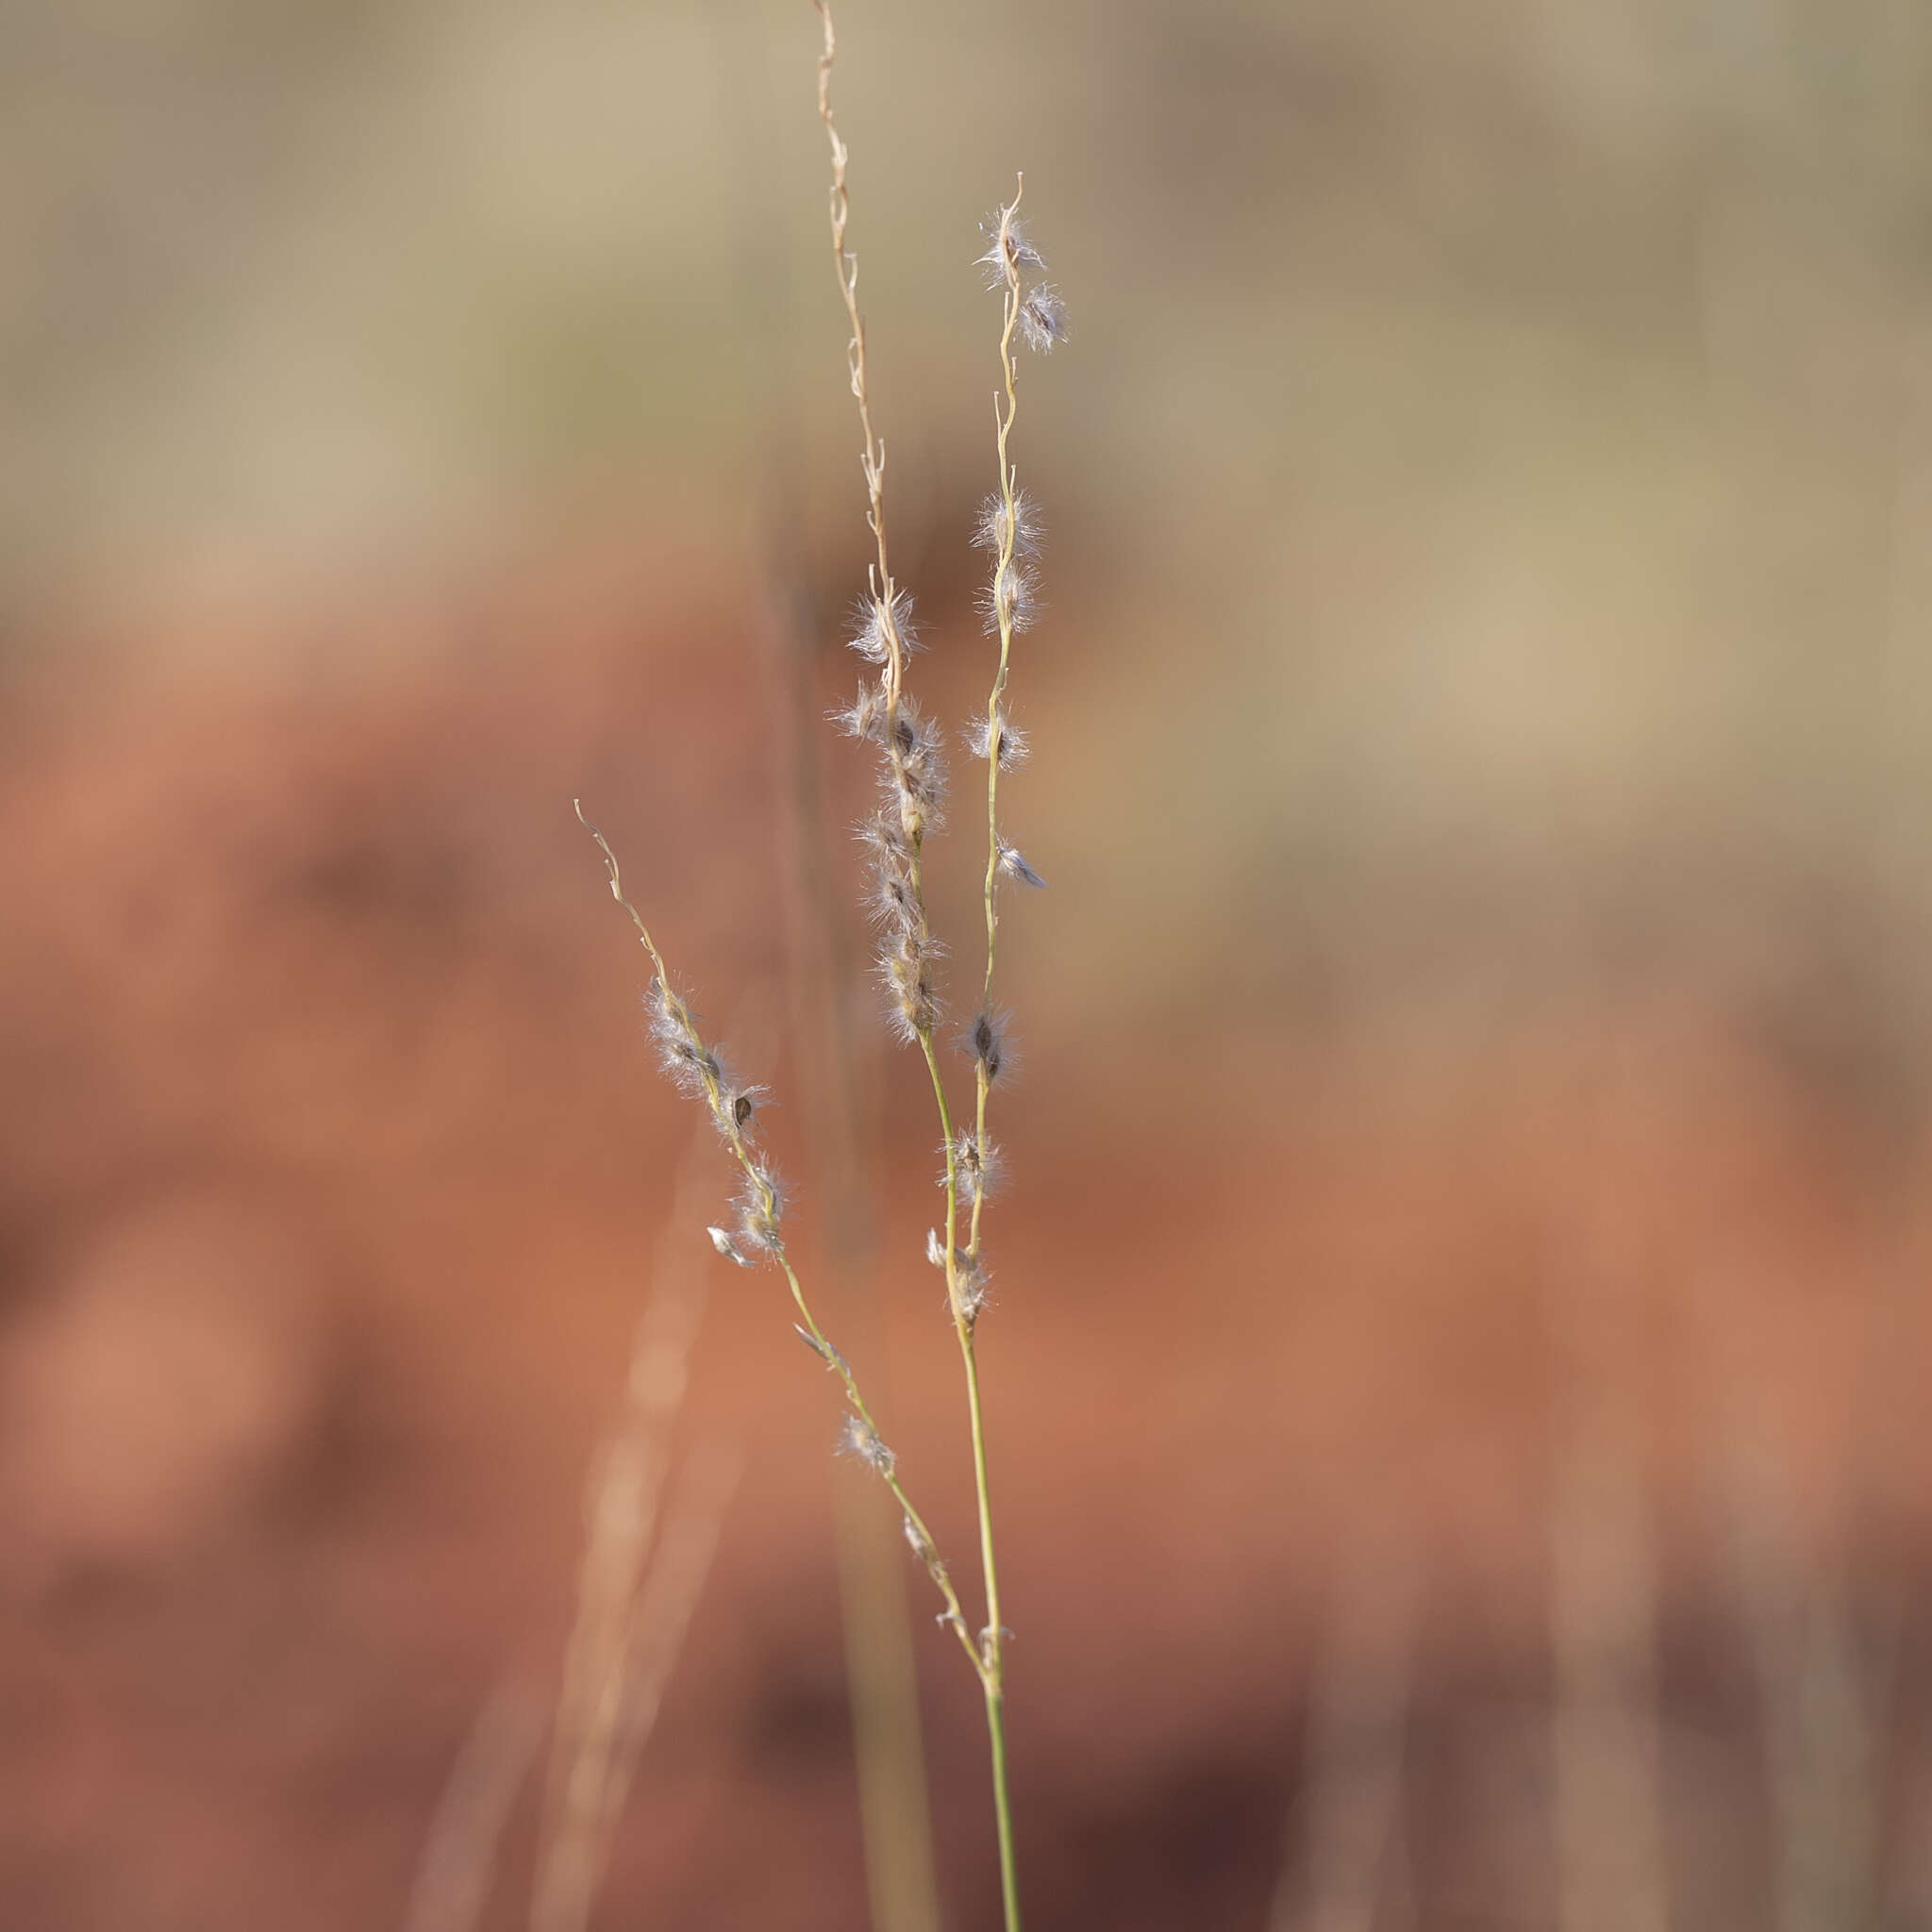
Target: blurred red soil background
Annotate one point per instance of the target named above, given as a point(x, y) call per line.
point(334, 1169)
point(1454, 1373)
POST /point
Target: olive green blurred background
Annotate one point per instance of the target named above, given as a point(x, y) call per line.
point(1497, 432)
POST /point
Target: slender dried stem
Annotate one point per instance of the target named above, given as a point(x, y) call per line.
point(1005, 410)
point(621, 1552)
point(659, 1625)
point(460, 1855)
point(885, 590)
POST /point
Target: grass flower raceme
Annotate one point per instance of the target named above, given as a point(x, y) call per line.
point(909, 809)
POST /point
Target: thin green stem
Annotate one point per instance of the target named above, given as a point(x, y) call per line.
point(992, 1642)
point(1003, 1805)
point(954, 1614)
point(990, 1660)
point(993, 1647)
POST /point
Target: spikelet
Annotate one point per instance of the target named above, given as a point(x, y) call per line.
point(979, 1163)
point(997, 737)
point(1043, 319)
point(859, 1438)
point(1011, 864)
point(986, 1040)
point(1009, 250)
point(992, 531)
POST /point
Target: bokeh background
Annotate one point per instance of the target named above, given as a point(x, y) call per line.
point(1459, 1337)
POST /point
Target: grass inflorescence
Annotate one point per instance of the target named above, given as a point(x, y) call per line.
point(909, 809)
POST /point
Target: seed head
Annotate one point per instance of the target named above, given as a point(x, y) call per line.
point(1007, 247)
point(891, 898)
point(861, 1440)
point(736, 1109)
point(884, 836)
point(975, 1290)
point(986, 1040)
point(922, 1544)
point(989, 533)
point(729, 1248)
point(978, 1164)
point(1012, 862)
point(1010, 601)
point(968, 1278)
point(912, 774)
point(919, 774)
point(1043, 319)
point(916, 944)
point(820, 1347)
point(864, 717)
point(761, 1212)
point(875, 625)
point(997, 735)
point(681, 1050)
point(905, 967)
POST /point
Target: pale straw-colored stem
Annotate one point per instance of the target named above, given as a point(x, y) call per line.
point(622, 1552)
point(1003, 412)
point(459, 1854)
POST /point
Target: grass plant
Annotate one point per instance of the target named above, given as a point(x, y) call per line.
point(913, 790)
